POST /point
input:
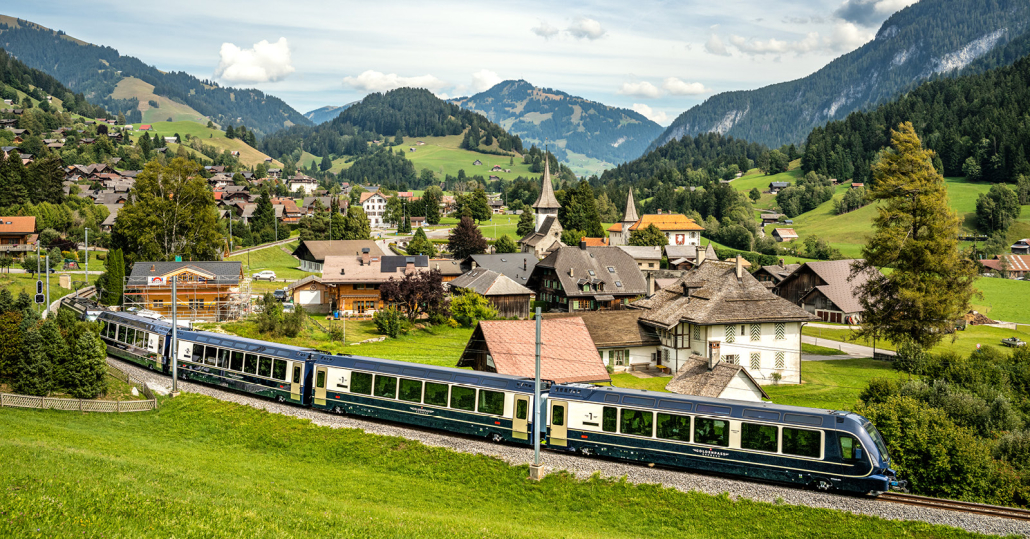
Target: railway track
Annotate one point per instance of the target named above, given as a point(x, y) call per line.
point(954, 505)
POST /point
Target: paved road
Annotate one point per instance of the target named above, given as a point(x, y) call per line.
point(850, 350)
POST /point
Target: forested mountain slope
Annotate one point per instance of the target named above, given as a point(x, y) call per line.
point(931, 38)
point(95, 71)
point(16, 76)
point(572, 124)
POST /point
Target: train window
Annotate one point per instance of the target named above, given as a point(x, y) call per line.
point(711, 431)
point(637, 422)
point(210, 353)
point(296, 374)
point(762, 414)
point(198, 353)
point(611, 398)
point(463, 398)
point(436, 394)
point(803, 443)
point(320, 380)
point(847, 447)
point(557, 415)
point(385, 386)
point(758, 437)
point(264, 366)
point(673, 427)
point(411, 390)
point(250, 363)
point(236, 363)
point(637, 401)
point(361, 382)
point(712, 409)
point(491, 402)
point(223, 358)
point(521, 409)
point(813, 420)
point(609, 418)
point(141, 339)
point(675, 405)
point(279, 369)
point(121, 334)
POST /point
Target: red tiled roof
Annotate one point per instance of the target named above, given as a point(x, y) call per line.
point(567, 353)
point(617, 227)
point(1018, 263)
point(596, 242)
point(666, 221)
point(17, 225)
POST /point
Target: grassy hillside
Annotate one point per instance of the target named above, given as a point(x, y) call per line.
point(443, 156)
point(212, 137)
point(131, 87)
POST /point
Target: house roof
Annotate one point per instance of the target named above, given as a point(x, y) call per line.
point(610, 329)
point(550, 225)
point(1015, 263)
point(547, 199)
point(223, 272)
point(785, 232)
point(516, 266)
point(319, 250)
point(307, 280)
point(489, 283)
point(837, 288)
point(666, 222)
point(617, 227)
point(695, 378)
point(642, 252)
point(446, 266)
point(365, 196)
point(17, 225)
point(350, 269)
point(567, 353)
point(779, 184)
point(777, 272)
point(689, 251)
point(711, 294)
point(624, 277)
point(596, 242)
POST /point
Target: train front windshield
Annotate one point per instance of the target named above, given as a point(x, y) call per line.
point(878, 440)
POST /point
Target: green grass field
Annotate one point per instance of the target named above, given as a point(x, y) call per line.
point(198, 467)
point(272, 258)
point(443, 156)
point(761, 182)
point(1003, 299)
point(833, 385)
point(211, 137)
point(819, 350)
point(17, 282)
point(960, 342)
point(496, 227)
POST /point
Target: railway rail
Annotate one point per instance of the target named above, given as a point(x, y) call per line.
point(954, 505)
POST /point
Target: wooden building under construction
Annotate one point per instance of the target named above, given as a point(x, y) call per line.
point(208, 291)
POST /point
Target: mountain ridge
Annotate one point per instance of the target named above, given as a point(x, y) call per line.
point(327, 113)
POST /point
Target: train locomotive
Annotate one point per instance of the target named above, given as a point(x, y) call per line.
point(823, 449)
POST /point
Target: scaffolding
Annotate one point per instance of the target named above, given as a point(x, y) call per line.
point(196, 300)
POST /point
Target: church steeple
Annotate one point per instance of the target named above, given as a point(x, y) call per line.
point(546, 205)
point(631, 210)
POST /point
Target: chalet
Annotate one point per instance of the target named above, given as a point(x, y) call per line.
point(1021, 247)
point(477, 163)
point(494, 178)
point(511, 299)
point(308, 205)
point(300, 182)
point(496, 168)
point(215, 169)
point(171, 140)
point(686, 256)
point(621, 340)
point(1009, 266)
point(856, 185)
point(17, 234)
point(310, 293)
point(290, 212)
point(581, 278)
point(826, 289)
point(567, 354)
point(776, 187)
point(496, 206)
point(418, 222)
point(776, 273)
point(354, 281)
point(720, 308)
point(770, 218)
point(515, 266)
point(784, 234)
point(647, 257)
point(312, 253)
point(207, 291)
point(374, 205)
point(275, 173)
point(709, 377)
point(112, 214)
point(146, 127)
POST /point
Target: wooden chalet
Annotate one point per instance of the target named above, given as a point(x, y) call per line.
point(825, 289)
point(17, 234)
point(582, 278)
point(208, 291)
point(509, 298)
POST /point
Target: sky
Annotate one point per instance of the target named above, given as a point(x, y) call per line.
point(657, 57)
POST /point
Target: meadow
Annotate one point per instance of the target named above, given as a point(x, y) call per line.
point(249, 156)
point(166, 473)
point(443, 156)
point(960, 342)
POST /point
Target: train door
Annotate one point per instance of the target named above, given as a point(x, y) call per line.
point(520, 423)
point(295, 378)
point(320, 376)
point(559, 423)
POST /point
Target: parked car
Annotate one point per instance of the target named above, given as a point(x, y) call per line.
point(279, 295)
point(267, 275)
point(287, 307)
point(1013, 342)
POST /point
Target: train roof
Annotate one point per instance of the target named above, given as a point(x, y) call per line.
point(288, 351)
point(131, 320)
point(814, 417)
point(433, 372)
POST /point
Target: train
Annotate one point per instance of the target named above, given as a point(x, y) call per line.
point(828, 450)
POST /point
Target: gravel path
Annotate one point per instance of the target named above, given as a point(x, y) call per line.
point(585, 467)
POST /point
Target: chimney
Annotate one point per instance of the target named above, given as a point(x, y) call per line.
point(474, 265)
point(572, 272)
point(525, 265)
point(740, 267)
point(153, 267)
point(781, 262)
point(583, 243)
point(700, 255)
point(650, 283)
point(659, 211)
point(365, 255)
point(713, 354)
point(343, 271)
point(437, 266)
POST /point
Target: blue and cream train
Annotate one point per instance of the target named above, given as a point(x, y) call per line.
point(825, 449)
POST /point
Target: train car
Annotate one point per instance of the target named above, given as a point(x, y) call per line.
point(825, 449)
point(495, 406)
point(264, 369)
point(142, 341)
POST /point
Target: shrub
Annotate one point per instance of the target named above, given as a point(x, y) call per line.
point(390, 322)
point(293, 323)
point(101, 256)
point(469, 308)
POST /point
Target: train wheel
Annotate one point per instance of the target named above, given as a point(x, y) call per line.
point(822, 485)
point(280, 399)
point(586, 452)
point(496, 438)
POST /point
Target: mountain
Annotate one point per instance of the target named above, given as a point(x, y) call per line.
point(326, 113)
point(125, 84)
point(18, 81)
point(572, 124)
point(929, 39)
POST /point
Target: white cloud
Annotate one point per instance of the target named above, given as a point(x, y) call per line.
point(265, 62)
point(640, 89)
point(375, 81)
point(545, 30)
point(584, 28)
point(847, 37)
point(484, 79)
point(656, 116)
point(677, 87)
point(870, 13)
point(775, 46)
point(716, 46)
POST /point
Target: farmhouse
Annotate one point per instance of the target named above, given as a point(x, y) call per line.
point(312, 253)
point(17, 234)
point(1021, 247)
point(581, 278)
point(300, 182)
point(207, 291)
point(515, 266)
point(1009, 266)
point(511, 299)
point(686, 256)
point(354, 281)
point(775, 273)
point(826, 290)
point(784, 234)
point(775, 187)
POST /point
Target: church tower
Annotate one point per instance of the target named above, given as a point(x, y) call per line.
point(547, 204)
point(629, 218)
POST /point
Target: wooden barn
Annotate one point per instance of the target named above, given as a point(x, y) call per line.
point(509, 298)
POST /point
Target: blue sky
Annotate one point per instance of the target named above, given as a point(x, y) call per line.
point(658, 57)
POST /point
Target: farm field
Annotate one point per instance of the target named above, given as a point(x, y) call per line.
point(1003, 299)
point(271, 258)
point(761, 182)
point(443, 156)
point(18, 282)
point(165, 473)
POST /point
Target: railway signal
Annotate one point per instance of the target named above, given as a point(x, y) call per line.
point(40, 298)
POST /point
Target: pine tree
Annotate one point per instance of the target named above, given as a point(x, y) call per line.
point(916, 233)
point(230, 132)
point(420, 244)
point(505, 244)
point(34, 372)
point(113, 280)
point(466, 239)
point(527, 223)
point(87, 369)
point(356, 225)
point(432, 206)
point(478, 205)
point(56, 350)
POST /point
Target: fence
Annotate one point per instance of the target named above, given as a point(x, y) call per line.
point(81, 405)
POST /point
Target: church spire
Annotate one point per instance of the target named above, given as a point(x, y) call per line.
point(547, 199)
point(631, 209)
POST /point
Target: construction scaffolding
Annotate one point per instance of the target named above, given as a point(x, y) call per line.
point(196, 299)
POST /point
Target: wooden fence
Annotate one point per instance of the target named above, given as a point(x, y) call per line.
point(82, 405)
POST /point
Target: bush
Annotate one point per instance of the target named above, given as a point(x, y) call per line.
point(390, 322)
point(101, 256)
point(293, 323)
point(469, 308)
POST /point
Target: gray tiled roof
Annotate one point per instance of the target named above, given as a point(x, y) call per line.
point(838, 289)
point(597, 259)
point(610, 329)
point(695, 378)
point(224, 272)
point(516, 266)
point(642, 252)
point(489, 283)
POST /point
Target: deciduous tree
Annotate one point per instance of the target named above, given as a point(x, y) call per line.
point(505, 244)
point(466, 239)
point(648, 236)
point(527, 223)
point(419, 292)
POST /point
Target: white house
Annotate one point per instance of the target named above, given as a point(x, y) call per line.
point(678, 229)
point(374, 205)
point(621, 341)
point(300, 182)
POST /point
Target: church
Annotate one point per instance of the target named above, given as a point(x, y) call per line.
point(546, 238)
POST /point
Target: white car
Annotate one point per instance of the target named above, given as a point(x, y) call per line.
point(267, 275)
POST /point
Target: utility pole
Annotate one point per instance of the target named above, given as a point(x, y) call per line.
point(230, 231)
point(46, 309)
point(175, 341)
point(87, 257)
point(536, 470)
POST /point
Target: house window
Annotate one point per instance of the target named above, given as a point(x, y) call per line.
point(697, 333)
point(731, 333)
point(732, 359)
point(780, 363)
point(756, 361)
point(756, 332)
point(159, 303)
point(781, 331)
point(618, 357)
